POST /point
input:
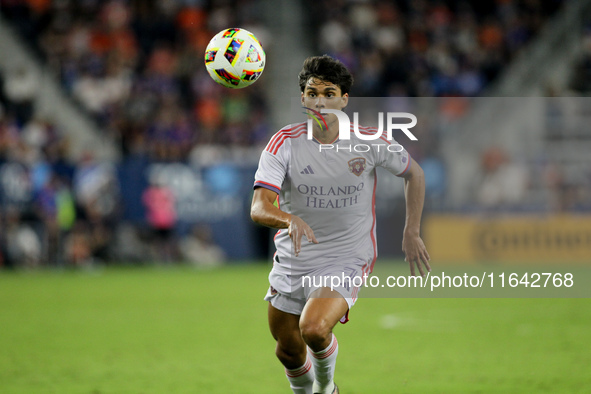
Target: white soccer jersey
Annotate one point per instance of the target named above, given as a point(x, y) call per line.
point(333, 191)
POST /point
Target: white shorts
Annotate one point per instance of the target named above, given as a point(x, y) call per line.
point(289, 293)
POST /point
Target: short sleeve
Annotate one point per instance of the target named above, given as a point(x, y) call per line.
point(272, 170)
point(395, 159)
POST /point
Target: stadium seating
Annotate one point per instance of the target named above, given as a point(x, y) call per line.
point(135, 68)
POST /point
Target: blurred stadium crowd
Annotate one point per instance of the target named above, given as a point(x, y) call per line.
point(136, 68)
point(427, 48)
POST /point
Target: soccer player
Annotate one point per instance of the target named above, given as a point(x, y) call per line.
point(326, 196)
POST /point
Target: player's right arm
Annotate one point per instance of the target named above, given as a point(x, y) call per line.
point(269, 177)
point(263, 211)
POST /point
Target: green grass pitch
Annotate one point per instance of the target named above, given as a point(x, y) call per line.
point(182, 330)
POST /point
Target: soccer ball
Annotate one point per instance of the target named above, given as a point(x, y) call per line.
point(235, 58)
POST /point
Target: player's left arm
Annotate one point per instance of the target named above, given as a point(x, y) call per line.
point(412, 244)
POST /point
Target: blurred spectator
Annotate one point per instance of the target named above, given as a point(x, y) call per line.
point(129, 246)
point(95, 187)
point(161, 214)
point(581, 76)
point(54, 206)
point(78, 247)
point(96, 190)
point(23, 245)
point(501, 183)
point(199, 249)
point(566, 186)
point(20, 88)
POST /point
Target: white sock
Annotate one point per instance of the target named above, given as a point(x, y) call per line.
point(324, 365)
point(301, 379)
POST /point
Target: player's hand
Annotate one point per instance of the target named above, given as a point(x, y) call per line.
point(415, 253)
point(298, 228)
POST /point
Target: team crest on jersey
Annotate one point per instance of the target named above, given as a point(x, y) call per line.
point(357, 165)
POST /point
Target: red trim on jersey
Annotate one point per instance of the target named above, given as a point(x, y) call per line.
point(373, 224)
point(368, 267)
point(281, 135)
point(284, 137)
point(283, 131)
point(356, 289)
point(364, 272)
point(267, 185)
point(275, 138)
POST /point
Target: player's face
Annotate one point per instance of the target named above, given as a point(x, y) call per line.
point(320, 94)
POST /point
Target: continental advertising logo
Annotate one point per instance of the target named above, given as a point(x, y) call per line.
point(521, 239)
point(490, 240)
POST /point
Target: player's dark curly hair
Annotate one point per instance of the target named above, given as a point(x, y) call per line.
point(326, 69)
